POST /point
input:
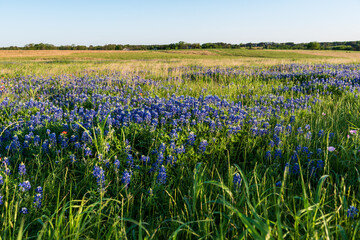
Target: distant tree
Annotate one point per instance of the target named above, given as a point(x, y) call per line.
point(81, 47)
point(313, 45)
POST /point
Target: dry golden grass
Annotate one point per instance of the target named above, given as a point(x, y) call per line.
point(12, 61)
point(50, 53)
point(348, 55)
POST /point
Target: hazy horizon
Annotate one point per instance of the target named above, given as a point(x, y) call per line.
point(161, 22)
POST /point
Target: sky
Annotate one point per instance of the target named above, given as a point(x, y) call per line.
point(90, 22)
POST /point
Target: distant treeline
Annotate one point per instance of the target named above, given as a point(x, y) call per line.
point(349, 45)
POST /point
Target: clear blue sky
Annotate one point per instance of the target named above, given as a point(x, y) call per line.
point(93, 22)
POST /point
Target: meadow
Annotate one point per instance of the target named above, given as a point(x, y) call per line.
point(215, 144)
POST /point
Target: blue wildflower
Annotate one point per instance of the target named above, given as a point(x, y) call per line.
point(161, 178)
point(25, 186)
point(37, 200)
point(203, 145)
point(116, 164)
point(292, 118)
point(278, 153)
point(99, 174)
point(352, 211)
point(191, 138)
point(24, 210)
point(130, 161)
point(162, 147)
point(126, 178)
point(237, 181)
point(87, 152)
point(39, 189)
point(22, 169)
point(145, 159)
point(268, 155)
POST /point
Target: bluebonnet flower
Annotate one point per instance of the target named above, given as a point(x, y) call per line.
point(278, 184)
point(278, 153)
point(319, 164)
point(37, 200)
point(87, 152)
point(268, 155)
point(130, 161)
point(321, 133)
point(99, 174)
point(352, 212)
point(277, 140)
point(1, 199)
point(295, 169)
point(180, 150)
point(5, 162)
point(36, 140)
point(126, 178)
point(39, 189)
point(1, 180)
point(162, 147)
point(288, 129)
point(203, 145)
point(161, 177)
point(77, 145)
point(307, 127)
point(25, 186)
point(191, 138)
point(116, 164)
point(24, 210)
point(174, 134)
point(7, 171)
point(45, 145)
point(22, 169)
point(308, 135)
point(292, 118)
point(300, 131)
point(85, 138)
point(237, 180)
point(271, 143)
point(63, 142)
point(318, 151)
point(331, 136)
point(171, 159)
point(26, 144)
point(145, 159)
point(52, 137)
point(73, 138)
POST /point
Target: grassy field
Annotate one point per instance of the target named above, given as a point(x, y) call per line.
point(66, 62)
point(190, 144)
